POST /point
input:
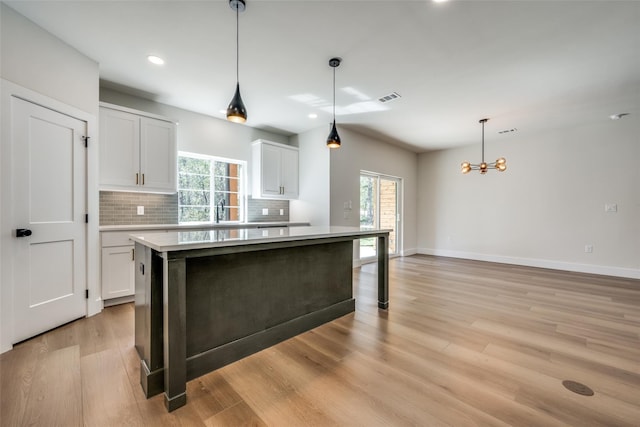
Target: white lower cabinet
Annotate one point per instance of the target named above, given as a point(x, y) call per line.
point(117, 266)
point(117, 272)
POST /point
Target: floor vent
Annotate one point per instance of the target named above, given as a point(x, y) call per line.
point(390, 97)
point(577, 388)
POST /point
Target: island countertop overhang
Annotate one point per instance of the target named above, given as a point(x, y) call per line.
point(204, 239)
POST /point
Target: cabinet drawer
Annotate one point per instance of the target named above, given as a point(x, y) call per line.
point(116, 238)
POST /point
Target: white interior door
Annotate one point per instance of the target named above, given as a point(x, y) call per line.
point(49, 200)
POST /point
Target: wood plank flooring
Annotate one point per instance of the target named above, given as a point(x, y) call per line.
point(465, 343)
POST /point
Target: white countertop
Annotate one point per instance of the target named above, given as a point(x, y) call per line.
point(203, 226)
point(201, 239)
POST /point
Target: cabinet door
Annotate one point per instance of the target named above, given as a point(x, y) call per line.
point(119, 149)
point(270, 171)
point(289, 173)
point(158, 163)
point(117, 272)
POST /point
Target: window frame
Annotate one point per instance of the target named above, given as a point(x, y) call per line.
point(242, 186)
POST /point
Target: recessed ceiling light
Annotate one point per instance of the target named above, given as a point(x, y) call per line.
point(618, 116)
point(313, 116)
point(440, 1)
point(155, 60)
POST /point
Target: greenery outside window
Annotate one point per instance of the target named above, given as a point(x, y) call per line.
point(210, 188)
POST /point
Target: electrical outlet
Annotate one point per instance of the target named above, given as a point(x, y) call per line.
point(140, 210)
point(611, 207)
point(265, 211)
point(281, 211)
point(588, 249)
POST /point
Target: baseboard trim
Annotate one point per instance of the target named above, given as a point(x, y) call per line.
point(604, 270)
point(120, 300)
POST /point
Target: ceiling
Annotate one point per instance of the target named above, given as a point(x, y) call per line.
point(533, 66)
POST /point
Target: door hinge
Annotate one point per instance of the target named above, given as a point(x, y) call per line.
point(86, 293)
point(86, 218)
point(86, 140)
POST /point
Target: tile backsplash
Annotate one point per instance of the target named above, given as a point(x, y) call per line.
point(120, 208)
point(256, 206)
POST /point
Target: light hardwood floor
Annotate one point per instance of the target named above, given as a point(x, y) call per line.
point(464, 343)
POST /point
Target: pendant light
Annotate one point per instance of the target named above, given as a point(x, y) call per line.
point(500, 164)
point(333, 141)
point(236, 112)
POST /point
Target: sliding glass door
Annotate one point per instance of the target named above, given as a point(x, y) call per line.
point(379, 208)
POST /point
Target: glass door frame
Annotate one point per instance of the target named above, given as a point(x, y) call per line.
point(399, 212)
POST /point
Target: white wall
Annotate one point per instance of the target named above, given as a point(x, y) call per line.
point(546, 207)
point(199, 133)
point(314, 199)
point(359, 152)
point(35, 59)
point(43, 69)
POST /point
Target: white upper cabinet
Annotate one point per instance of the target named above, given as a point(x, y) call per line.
point(137, 152)
point(275, 170)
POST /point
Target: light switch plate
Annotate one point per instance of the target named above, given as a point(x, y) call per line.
point(140, 210)
point(265, 211)
point(281, 211)
point(611, 207)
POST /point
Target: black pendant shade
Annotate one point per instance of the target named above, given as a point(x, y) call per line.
point(333, 140)
point(236, 112)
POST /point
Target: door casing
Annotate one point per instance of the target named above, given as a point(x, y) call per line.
point(94, 302)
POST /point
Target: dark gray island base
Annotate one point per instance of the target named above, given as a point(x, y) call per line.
point(205, 299)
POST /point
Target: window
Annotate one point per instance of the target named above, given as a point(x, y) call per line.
point(209, 188)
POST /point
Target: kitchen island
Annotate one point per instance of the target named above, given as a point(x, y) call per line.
point(205, 299)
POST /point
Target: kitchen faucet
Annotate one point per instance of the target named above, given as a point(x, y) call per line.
point(220, 212)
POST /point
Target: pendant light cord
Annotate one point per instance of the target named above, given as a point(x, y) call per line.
point(237, 44)
point(334, 94)
point(483, 142)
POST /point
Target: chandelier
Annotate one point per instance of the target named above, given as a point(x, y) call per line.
point(500, 164)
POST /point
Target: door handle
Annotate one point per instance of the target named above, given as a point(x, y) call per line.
point(23, 232)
